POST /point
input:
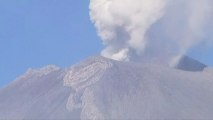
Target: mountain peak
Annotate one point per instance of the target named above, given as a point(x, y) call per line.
point(189, 64)
point(101, 88)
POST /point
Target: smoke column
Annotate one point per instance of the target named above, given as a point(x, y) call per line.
point(163, 29)
point(122, 24)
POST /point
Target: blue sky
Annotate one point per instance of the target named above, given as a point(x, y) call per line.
point(35, 33)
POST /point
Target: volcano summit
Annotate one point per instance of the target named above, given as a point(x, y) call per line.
point(101, 88)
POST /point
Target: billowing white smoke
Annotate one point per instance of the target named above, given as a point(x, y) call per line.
point(131, 29)
point(122, 24)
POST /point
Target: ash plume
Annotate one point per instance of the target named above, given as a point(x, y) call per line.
point(158, 29)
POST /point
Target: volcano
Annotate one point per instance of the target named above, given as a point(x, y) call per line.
point(101, 88)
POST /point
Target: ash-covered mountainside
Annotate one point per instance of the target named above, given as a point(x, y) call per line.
point(100, 88)
point(38, 94)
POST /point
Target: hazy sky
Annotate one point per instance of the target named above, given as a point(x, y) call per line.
point(35, 33)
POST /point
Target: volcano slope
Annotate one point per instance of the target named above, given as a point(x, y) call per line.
point(100, 88)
